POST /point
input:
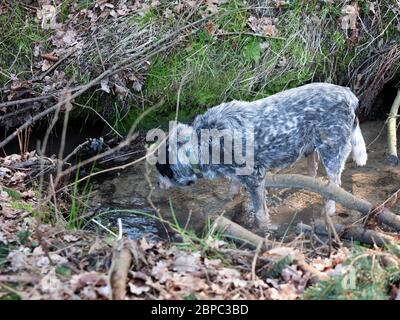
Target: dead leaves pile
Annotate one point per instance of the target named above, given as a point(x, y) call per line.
point(162, 271)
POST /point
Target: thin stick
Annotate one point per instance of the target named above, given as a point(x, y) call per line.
point(75, 151)
point(105, 228)
point(392, 157)
point(23, 101)
point(68, 107)
point(120, 231)
point(254, 262)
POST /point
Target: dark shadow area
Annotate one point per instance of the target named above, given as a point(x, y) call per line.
point(382, 104)
point(79, 130)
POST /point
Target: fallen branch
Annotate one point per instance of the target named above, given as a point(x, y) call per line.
point(232, 230)
point(34, 162)
point(333, 192)
point(392, 157)
point(24, 101)
point(280, 253)
point(351, 233)
point(118, 274)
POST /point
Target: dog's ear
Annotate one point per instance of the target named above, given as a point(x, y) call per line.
point(184, 133)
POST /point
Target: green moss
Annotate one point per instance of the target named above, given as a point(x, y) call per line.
point(20, 205)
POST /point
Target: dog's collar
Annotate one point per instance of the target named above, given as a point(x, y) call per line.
point(196, 168)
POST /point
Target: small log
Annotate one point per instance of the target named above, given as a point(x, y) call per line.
point(118, 274)
point(351, 233)
point(392, 157)
point(237, 232)
point(333, 192)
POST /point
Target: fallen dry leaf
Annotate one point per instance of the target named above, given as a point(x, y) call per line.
point(349, 20)
point(187, 262)
point(138, 289)
point(47, 14)
point(286, 291)
point(50, 283)
point(49, 56)
point(93, 278)
point(160, 271)
point(262, 26)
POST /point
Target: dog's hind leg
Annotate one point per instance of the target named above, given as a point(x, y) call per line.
point(330, 205)
point(312, 163)
point(334, 164)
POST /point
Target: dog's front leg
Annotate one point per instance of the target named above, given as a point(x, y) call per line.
point(312, 163)
point(260, 210)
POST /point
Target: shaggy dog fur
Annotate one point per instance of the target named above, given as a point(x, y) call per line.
point(317, 118)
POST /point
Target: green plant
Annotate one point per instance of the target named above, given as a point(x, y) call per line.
point(15, 195)
point(23, 236)
point(79, 200)
point(21, 205)
point(366, 275)
point(10, 296)
point(4, 251)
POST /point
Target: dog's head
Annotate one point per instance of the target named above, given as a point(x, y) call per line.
point(178, 170)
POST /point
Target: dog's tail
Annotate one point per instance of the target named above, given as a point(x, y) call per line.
point(359, 151)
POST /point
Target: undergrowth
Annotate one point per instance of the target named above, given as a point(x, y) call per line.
point(366, 275)
point(20, 33)
point(224, 60)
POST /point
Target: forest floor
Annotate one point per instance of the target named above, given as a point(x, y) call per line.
point(41, 259)
point(120, 58)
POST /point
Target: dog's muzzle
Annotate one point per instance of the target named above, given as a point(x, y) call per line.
point(165, 183)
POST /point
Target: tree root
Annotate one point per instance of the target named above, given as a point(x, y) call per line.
point(351, 233)
point(333, 192)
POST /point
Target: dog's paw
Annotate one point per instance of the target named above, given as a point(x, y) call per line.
point(264, 224)
point(266, 228)
point(329, 208)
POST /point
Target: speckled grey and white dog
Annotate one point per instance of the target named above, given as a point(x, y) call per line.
point(317, 118)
